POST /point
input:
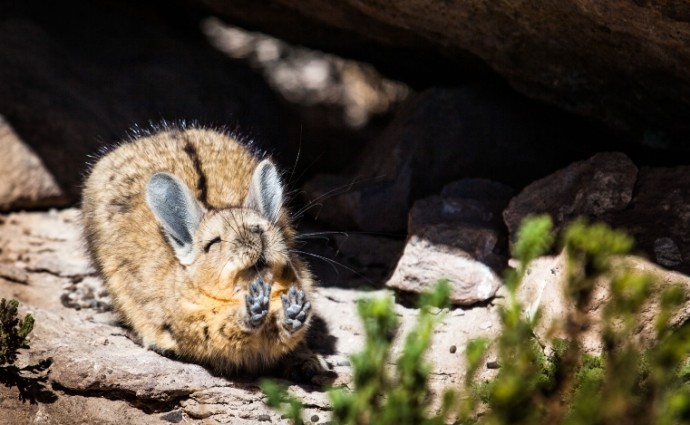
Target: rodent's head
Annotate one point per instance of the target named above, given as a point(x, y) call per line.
point(223, 248)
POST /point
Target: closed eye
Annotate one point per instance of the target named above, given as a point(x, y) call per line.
point(211, 243)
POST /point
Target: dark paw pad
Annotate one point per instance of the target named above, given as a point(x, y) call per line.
point(257, 302)
point(295, 308)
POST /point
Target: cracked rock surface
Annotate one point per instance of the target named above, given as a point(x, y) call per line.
point(100, 375)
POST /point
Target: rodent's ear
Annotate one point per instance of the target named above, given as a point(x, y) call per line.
point(265, 191)
point(176, 210)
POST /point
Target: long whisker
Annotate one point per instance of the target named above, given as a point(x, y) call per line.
point(393, 235)
point(320, 235)
point(333, 192)
point(229, 224)
point(309, 166)
point(329, 261)
point(303, 242)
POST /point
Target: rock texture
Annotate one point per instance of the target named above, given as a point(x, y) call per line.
point(543, 288)
point(659, 216)
point(620, 62)
point(650, 203)
point(467, 215)
point(592, 188)
point(308, 77)
point(424, 264)
point(100, 375)
point(458, 236)
point(24, 180)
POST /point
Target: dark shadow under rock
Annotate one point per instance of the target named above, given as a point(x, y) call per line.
point(659, 216)
point(445, 134)
point(77, 75)
point(351, 259)
point(467, 215)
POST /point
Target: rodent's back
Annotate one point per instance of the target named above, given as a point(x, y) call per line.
point(213, 165)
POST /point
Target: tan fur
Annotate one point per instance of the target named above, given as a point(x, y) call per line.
point(196, 311)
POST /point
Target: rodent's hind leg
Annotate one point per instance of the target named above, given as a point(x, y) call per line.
point(257, 302)
point(295, 308)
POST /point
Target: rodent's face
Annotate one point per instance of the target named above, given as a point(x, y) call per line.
point(222, 251)
point(232, 248)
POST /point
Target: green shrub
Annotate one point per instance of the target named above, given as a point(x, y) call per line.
point(381, 397)
point(13, 331)
point(621, 385)
point(30, 380)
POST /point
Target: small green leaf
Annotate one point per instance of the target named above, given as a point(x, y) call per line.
point(534, 238)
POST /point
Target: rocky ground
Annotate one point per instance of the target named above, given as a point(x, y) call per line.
point(100, 375)
point(415, 165)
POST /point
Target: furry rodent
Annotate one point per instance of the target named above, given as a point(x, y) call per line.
point(188, 229)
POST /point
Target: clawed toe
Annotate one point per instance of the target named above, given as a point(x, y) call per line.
point(257, 302)
point(295, 308)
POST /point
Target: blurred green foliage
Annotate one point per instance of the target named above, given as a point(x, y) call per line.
point(624, 384)
point(382, 397)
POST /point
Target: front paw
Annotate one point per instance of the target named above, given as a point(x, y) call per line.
point(295, 308)
point(257, 302)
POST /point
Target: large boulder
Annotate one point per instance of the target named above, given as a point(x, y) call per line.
point(624, 63)
point(659, 216)
point(650, 203)
point(602, 184)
